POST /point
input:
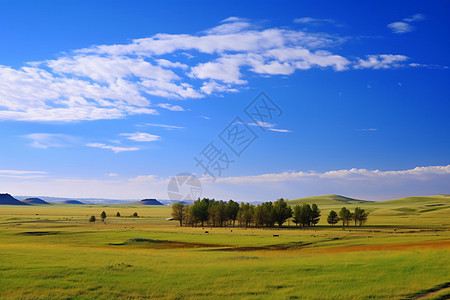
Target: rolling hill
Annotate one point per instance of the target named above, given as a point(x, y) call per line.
point(35, 201)
point(328, 200)
point(73, 202)
point(7, 199)
point(435, 199)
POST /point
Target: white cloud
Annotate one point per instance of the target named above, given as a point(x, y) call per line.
point(141, 137)
point(400, 27)
point(262, 124)
point(269, 126)
point(113, 148)
point(170, 64)
point(382, 61)
point(46, 140)
point(404, 26)
point(350, 174)
point(112, 175)
point(280, 130)
point(416, 17)
point(170, 106)
point(117, 81)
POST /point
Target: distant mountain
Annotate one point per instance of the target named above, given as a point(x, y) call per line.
point(328, 199)
point(7, 199)
point(84, 200)
point(72, 202)
point(150, 202)
point(35, 201)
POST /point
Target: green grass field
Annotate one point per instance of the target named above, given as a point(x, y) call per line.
point(53, 252)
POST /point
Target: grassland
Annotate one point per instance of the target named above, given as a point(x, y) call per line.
point(53, 252)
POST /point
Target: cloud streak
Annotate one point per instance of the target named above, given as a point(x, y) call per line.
point(115, 149)
point(21, 174)
point(141, 137)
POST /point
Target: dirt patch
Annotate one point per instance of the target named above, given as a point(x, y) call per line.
point(287, 246)
point(39, 233)
point(163, 244)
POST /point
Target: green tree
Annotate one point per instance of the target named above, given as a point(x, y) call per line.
point(135, 214)
point(118, 214)
point(315, 214)
point(103, 215)
point(199, 210)
point(92, 219)
point(178, 212)
point(360, 216)
point(232, 211)
point(269, 219)
point(297, 215)
point(332, 218)
point(262, 215)
point(305, 215)
point(245, 214)
point(281, 211)
point(345, 215)
point(222, 215)
point(212, 212)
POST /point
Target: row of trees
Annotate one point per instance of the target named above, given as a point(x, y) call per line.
point(103, 216)
point(268, 214)
point(359, 216)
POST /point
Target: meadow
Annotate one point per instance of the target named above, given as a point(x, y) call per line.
point(53, 252)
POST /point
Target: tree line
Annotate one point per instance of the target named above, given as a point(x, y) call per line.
point(359, 216)
point(212, 213)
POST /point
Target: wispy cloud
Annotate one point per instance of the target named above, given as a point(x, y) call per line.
point(113, 148)
point(367, 129)
point(404, 26)
point(47, 140)
point(141, 137)
point(22, 174)
point(165, 126)
point(170, 106)
point(314, 21)
point(269, 126)
point(279, 130)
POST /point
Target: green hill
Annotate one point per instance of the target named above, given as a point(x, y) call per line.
point(328, 200)
point(425, 200)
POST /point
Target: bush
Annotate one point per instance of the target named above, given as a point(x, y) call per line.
point(103, 215)
point(118, 214)
point(92, 219)
point(135, 215)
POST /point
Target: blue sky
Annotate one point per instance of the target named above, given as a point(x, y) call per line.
point(113, 98)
